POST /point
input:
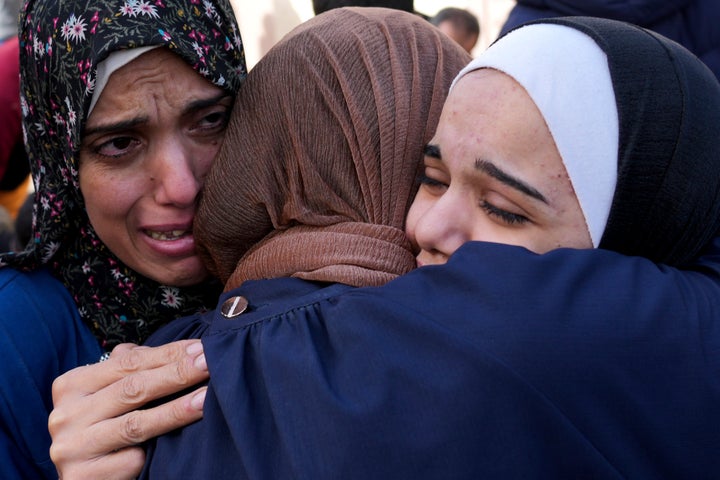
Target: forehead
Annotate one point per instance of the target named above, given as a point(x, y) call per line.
point(490, 103)
point(490, 117)
point(155, 65)
point(487, 84)
point(155, 76)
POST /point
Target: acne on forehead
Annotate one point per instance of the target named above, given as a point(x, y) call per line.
point(490, 86)
point(502, 82)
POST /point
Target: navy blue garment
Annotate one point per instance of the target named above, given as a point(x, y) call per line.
point(487, 367)
point(41, 337)
point(692, 23)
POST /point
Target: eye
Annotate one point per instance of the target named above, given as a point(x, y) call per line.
point(216, 119)
point(505, 216)
point(210, 121)
point(432, 185)
point(116, 147)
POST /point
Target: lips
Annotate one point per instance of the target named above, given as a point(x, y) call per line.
point(171, 240)
point(166, 236)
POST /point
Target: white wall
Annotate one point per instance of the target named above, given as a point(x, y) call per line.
point(264, 22)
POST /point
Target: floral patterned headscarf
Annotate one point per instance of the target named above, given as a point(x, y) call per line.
point(62, 42)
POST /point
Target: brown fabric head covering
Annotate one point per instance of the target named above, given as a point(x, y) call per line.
point(319, 163)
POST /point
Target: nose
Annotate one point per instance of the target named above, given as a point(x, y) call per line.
point(443, 227)
point(175, 173)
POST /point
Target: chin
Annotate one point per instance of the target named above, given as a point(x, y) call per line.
point(180, 276)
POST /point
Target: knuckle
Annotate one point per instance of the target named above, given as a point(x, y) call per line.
point(132, 389)
point(182, 373)
point(121, 349)
point(173, 352)
point(130, 361)
point(138, 358)
point(59, 387)
point(56, 421)
point(132, 428)
point(58, 453)
point(178, 414)
point(66, 382)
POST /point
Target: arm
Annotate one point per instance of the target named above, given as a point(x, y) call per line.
point(41, 337)
point(501, 364)
point(96, 426)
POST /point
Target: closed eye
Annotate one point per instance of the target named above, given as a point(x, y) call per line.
point(432, 185)
point(505, 216)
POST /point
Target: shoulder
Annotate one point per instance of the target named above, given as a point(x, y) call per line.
point(263, 301)
point(40, 326)
point(41, 337)
point(41, 331)
point(272, 301)
point(33, 294)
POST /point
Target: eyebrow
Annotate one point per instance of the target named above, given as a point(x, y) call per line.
point(504, 177)
point(114, 127)
point(133, 122)
point(205, 102)
point(433, 151)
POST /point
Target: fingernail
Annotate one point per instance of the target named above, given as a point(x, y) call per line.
point(194, 348)
point(198, 400)
point(200, 363)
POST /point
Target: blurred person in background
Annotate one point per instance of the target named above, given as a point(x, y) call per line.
point(460, 25)
point(8, 237)
point(14, 166)
point(9, 10)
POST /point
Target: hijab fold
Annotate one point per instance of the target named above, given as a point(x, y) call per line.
point(320, 162)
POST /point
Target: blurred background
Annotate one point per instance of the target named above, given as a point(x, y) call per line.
point(263, 23)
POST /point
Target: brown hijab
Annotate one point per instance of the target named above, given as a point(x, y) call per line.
point(319, 164)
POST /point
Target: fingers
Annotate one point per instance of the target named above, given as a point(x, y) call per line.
point(139, 426)
point(125, 464)
point(95, 418)
point(125, 359)
point(130, 379)
point(130, 429)
point(123, 348)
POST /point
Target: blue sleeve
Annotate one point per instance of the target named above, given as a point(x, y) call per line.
point(41, 337)
point(501, 364)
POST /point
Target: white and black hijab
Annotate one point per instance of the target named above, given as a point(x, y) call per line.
point(636, 120)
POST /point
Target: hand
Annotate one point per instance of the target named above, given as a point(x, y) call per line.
point(95, 425)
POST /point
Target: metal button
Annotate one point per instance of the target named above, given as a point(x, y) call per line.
point(234, 306)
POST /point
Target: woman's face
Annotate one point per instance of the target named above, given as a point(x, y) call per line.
point(146, 149)
point(493, 173)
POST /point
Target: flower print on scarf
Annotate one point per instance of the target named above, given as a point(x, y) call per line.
point(145, 8)
point(74, 29)
point(171, 297)
point(62, 43)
